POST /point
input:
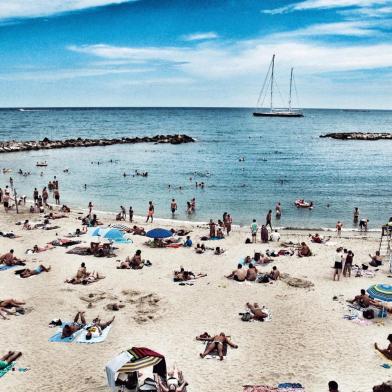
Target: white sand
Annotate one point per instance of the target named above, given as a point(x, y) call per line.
point(307, 341)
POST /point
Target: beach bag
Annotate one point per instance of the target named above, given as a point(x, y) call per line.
point(368, 314)
point(263, 279)
point(246, 316)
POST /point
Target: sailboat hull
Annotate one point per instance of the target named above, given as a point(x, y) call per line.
point(278, 114)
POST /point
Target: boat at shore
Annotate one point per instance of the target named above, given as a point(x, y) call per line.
point(269, 82)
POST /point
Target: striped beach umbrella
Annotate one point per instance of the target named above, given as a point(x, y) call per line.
point(141, 358)
point(382, 292)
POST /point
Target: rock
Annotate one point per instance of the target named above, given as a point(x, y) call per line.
point(47, 144)
point(359, 135)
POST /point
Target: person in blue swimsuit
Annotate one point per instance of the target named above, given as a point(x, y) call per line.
point(36, 271)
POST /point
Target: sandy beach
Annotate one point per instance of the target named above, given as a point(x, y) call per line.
point(307, 341)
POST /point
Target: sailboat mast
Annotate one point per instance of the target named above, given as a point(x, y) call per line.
point(272, 81)
point(291, 82)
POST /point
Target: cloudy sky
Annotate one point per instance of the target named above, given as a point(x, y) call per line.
point(194, 52)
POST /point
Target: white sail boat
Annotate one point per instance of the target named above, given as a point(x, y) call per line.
point(269, 83)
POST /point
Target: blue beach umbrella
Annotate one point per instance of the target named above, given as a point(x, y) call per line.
point(95, 231)
point(159, 233)
point(382, 292)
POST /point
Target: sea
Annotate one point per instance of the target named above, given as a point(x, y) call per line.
point(247, 163)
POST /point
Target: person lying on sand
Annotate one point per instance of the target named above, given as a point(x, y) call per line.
point(251, 273)
point(54, 215)
point(239, 274)
point(39, 249)
point(388, 351)
point(257, 313)
point(362, 300)
point(36, 271)
point(317, 239)
point(8, 358)
point(10, 259)
point(216, 342)
point(182, 275)
point(70, 329)
point(97, 327)
point(262, 259)
point(304, 250)
point(6, 305)
point(173, 382)
point(138, 230)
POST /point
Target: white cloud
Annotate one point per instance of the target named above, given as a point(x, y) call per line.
point(200, 36)
point(34, 8)
point(324, 4)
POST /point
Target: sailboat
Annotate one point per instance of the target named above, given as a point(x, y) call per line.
point(269, 82)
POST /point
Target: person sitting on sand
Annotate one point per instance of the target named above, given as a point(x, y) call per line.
point(182, 275)
point(274, 274)
point(36, 271)
point(363, 300)
point(10, 259)
point(333, 386)
point(97, 327)
point(219, 234)
point(8, 358)
point(200, 248)
point(275, 236)
point(217, 342)
point(135, 262)
point(188, 242)
point(173, 382)
point(251, 273)
point(257, 313)
point(26, 225)
point(317, 239)
point(388, 351)
point(138, 230)
point(70, 329)
point(219, 251)
point(304, 250)
point(239, 274)
point(376, 260)
point(84, 277)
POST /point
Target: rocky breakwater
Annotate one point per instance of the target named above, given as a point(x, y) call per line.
point(47, 144)
point(359, 135)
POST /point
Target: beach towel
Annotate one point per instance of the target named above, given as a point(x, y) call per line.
point(98, 339)
point(4, 371)
point(79, 250)
point(290, 387)
point(4, 267)
point(57, 336)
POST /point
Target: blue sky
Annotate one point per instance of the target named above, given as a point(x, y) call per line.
point(194, 52)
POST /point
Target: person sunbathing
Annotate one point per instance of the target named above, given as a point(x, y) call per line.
point(388, 351)
point(219, 251)
point(52, 215)
point(92, 277)
point(80, 275)
point(182, 275)
point(363, 300)
point(200, 248)
point(97, 327)
point(251, 274)
point(217, 343)
point(6, 305)
point(135, 262)
point(274, 274)
point(239, 274)
point(8, 358)
point(36, 271)
point(138, 230)
point(26, 225)
point(264, 259)
point(257, 313)
point(10, 259)
point(376, 260)
point(173, 382)
point(317, 239)
point(304, 250)
point(39, 249)
point(70, 329)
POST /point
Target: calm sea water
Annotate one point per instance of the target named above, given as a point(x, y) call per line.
point(284, 160)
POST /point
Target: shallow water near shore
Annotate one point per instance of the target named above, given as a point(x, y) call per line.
point(284, 160)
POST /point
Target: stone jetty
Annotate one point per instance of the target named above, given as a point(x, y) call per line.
point(47, 144)
point(359, 135)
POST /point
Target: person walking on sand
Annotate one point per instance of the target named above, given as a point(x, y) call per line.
point(173, 207)
point(339, 226)
point(123, 212)
point(268, 219)
point(56, 195)
point(228, 221)
point(338, 266)
point(150, 212)
point(90, 208)
point(253, 229)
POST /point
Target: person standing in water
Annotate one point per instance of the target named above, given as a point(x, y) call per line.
point(173, 207)
point(356, 215)
point(150, 212)
point(278, 210)
point(339, 226)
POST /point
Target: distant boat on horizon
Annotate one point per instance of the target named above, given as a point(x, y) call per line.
point(269, 83)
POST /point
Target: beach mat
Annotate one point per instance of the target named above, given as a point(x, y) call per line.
point(259, 388)
point(98, 339)
point(8, 267)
